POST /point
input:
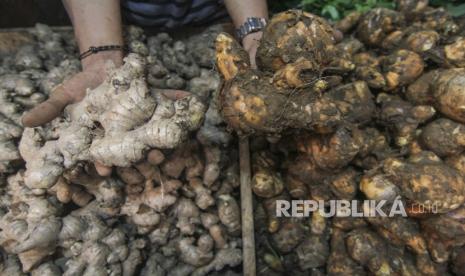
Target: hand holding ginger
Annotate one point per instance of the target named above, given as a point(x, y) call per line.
point(72, 90)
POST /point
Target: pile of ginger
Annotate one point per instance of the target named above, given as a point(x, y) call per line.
point(170, 205)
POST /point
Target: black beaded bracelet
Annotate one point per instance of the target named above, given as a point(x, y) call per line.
point(93, 50)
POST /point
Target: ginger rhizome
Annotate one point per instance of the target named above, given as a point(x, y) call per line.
point(67, 220)
point(115, 124)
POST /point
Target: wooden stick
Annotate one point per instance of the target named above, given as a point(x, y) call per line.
point(248, 238)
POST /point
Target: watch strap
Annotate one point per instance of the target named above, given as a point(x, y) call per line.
point(251, 25)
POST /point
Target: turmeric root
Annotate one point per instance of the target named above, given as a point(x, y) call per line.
point(266, 183)
point(322, 154)
point(344, 185)
point(445, 228)
point(289, 236)
point(291, 35)
point(376, 24)
point(444, 137)
point(269, 206)
point(411, 7)
point(443, 89)
point(313, 252)
point(368, 249)
point(378, 187)
point(332, 151)
point(348, 22)
point(295, 187)
point(252, 104)
point(339, 261)
point(401, 68)
point(402, 229)
point(426, 180)
point(402, 117)
point(422, 41)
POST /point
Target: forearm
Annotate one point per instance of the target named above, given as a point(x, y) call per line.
point(96, 23)
point(240, 10)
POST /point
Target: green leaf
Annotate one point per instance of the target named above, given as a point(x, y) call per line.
point(335, 9)
point(308, 2)
point(386, 4)
point(362, 8)
point(456, 11)
point(332, 11)
point(342, 2)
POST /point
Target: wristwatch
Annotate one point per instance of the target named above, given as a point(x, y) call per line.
point(251, 25)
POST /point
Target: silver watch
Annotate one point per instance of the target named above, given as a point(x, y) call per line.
point(251, 25)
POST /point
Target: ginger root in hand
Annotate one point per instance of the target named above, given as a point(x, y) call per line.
point(115, 124)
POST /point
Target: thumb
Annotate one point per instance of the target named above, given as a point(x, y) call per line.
point(253, 58)
point(48, 110)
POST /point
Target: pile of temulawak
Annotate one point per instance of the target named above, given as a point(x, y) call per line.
point(376, 113)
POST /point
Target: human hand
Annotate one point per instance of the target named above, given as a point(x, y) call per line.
point(250, 43)
point(72, 90)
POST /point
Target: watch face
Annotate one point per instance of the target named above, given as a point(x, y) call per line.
point(252, 24)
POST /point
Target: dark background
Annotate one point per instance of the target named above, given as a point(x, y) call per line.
point(25, 13)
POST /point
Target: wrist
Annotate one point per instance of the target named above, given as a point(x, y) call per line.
point(99, 60)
